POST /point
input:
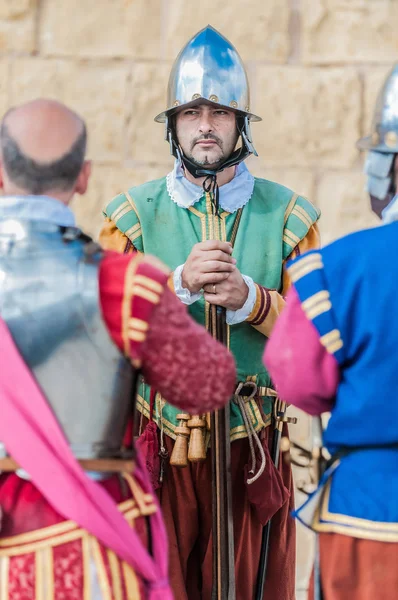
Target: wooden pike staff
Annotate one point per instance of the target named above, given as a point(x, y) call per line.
point(223, 585)
point(189, 447)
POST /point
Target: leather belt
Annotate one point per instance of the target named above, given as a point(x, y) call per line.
point(101, 465)
point(261, 391)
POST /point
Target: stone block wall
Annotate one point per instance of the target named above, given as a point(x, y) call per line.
point(314, 65)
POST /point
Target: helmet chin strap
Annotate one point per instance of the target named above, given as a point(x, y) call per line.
point(378, 205)
point(210, 184)
point(379, 168)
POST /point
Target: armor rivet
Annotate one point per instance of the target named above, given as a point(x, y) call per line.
point(233, 104)
point(176, 103)
point(391, 139)
point(196, 96)
point(247, 109)
point(213, 98)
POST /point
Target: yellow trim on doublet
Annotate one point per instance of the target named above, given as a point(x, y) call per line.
point(132, 515)
point(311, 301)
point(257, 304)
point(290, 207)
point(332, 341)
point(39, 581)
point(223, 218)
point(35, 546)
point(317, 304)
point(355, 532)
point(48, 572)
point(50, 536)
point(120, 210)
point(291, 238)
point(352, 526)
point(143, 408)
point(4, 576)
point(126, 506)
point(38, 534)
point(149, 283)
point(133, 237)
point(305, 265)
point(306, 270)
point(129, 232)
point(319, 309)
point(132, 203)
point(106, 592)
point(114, 566)
point(145, 502)
point(301, 214)
point(138, 324)
point(142, 292)
point(136, 336)
point(237, 433)
point(346, 520)
point(155, 262)
point(86, 558)
point(240, 432)
point(126, 304)
point(210, 217)
point(202, 218)
point(130, 579)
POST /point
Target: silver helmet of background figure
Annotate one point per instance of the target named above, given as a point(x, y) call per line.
point(382, 145)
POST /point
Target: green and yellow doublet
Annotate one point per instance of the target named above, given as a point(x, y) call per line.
point(272, 223)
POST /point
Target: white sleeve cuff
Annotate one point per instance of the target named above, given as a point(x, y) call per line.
point(238, 316)
point(182, 293)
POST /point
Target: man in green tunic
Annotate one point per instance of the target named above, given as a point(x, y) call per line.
point(226, 235)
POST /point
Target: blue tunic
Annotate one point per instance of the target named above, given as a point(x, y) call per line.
point(350, 292)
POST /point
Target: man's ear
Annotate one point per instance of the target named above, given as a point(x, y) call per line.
point(82, 180)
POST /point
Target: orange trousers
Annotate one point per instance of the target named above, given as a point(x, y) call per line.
point(186, 503)
point(355, 569)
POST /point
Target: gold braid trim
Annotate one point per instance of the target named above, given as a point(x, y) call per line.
point(127, 297)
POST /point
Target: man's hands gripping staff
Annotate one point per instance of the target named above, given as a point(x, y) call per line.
point(211, 267)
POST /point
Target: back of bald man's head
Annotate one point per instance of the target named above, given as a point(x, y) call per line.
point(43, 146)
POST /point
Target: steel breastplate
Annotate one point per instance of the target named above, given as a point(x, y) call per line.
point(49, 299)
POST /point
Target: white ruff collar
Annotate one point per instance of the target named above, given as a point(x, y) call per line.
point(233, 195)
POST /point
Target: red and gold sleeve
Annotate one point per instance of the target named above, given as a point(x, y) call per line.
point(269, 303)
point(130, 288)
point(111, 238)
point(186, 365)
point(150, 325)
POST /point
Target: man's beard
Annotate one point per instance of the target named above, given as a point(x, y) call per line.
point(205, 161)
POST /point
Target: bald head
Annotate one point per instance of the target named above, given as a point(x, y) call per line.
point(43, 145)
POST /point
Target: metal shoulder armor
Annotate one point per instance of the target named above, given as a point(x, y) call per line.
point(49, 298)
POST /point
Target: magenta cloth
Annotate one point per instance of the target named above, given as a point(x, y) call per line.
point(148, 445)
point(303, 372)
point(33, 437)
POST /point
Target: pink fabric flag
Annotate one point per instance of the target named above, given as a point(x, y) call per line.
point(33, 437)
